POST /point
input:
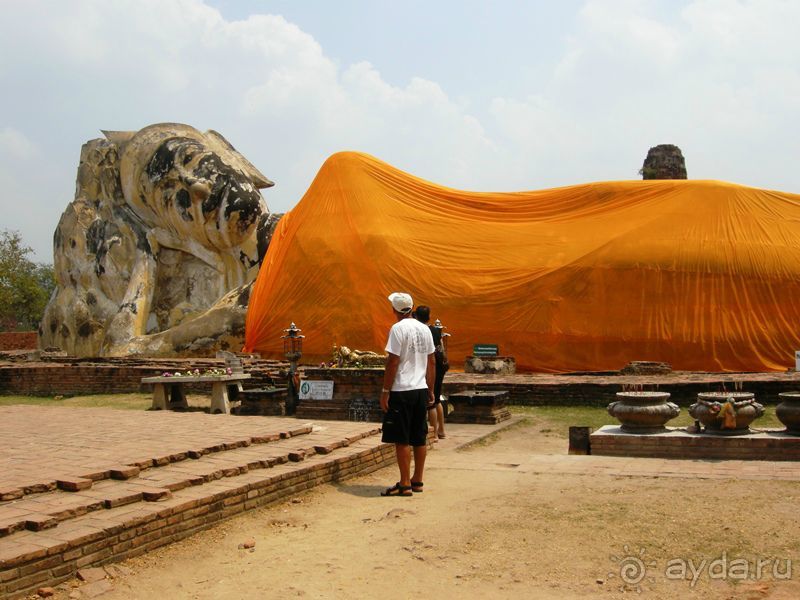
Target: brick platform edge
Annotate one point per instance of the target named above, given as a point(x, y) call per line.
point(102, 537)
point(609, 440)
point(356, 391)
point(18, 340)
point(599, 391)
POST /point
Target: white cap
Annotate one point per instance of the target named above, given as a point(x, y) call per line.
point(401, 302)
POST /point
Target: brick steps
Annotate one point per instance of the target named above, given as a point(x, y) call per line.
point(38, 511)
point(17, 481)
point(47, 536)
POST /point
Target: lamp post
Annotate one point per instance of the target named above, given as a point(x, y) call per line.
point(293, 350)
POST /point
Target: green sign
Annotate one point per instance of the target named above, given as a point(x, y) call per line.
point(485, 350)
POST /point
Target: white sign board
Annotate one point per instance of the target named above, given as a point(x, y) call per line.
point(316, 390)
point(797, 360)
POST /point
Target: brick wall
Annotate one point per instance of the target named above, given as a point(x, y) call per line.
point(74, 377)
point(355, 390)
point(18, 340)
point(356, 395)
point(49, 380)
point(601, 394)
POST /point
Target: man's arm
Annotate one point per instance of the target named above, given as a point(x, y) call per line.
point(430, 378)
point(388, 379)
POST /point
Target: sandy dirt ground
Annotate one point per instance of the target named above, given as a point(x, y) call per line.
point(488, 527)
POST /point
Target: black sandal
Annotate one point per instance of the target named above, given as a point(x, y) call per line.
point(397, 490)
point(416, 487)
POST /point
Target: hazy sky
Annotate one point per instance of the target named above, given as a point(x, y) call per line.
point(504, 95)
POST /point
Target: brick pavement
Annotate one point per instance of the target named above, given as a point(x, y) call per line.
point(84, 487)
point(145, 479)
point(43, 446)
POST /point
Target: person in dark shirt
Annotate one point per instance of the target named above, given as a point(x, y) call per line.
point(435, 413)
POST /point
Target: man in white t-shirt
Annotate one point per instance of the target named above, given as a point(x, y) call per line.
point(407, 393)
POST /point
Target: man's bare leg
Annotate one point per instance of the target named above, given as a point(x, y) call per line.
point(439, 420)
point(403, 452)
point(420, 452)
point(432, 420)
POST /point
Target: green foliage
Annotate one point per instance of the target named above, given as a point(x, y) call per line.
point(25, 287)
point(648, 173)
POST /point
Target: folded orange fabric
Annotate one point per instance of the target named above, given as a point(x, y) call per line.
point(704, 275)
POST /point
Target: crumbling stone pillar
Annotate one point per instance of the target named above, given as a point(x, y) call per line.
point(664, 161)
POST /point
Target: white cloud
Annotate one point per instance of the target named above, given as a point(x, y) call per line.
point(749, 31)
point(719, 78)
point(263, 82)
point(15, 144)
point(619, 27)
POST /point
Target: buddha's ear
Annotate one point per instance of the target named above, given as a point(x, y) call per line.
point(256, 176)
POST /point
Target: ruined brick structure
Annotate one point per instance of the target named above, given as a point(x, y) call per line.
point(664, 161)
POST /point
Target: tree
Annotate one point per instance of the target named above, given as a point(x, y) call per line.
point(25, 286)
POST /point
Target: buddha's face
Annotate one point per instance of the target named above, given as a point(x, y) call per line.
point(192, 191)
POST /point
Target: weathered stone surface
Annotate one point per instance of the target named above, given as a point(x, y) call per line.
point(116, 571)
point(158, 250)
point(91, 574)
point(788, 411)
point(646, 367)
point(478, 406)
point(495, 365)
point(728, 413)
point(643, 412)
point(96, 588)
point(664, 161)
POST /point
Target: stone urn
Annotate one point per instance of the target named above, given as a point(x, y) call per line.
point(643, 412)
point(788, 411)
point(711, 409)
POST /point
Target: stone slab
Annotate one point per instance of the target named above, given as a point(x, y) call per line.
point(769, 444)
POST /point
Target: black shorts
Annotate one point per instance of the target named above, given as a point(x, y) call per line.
point(406, 421)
